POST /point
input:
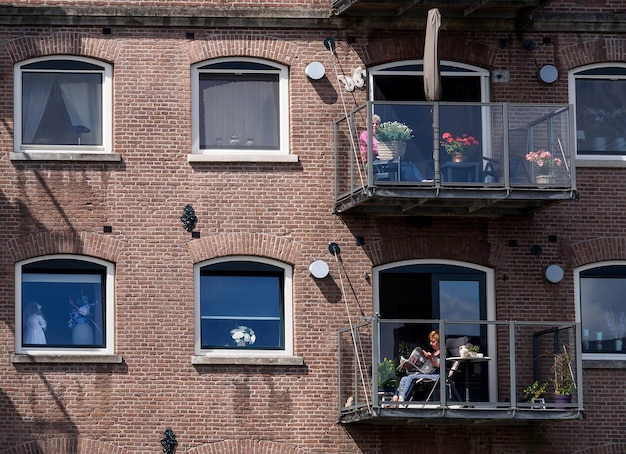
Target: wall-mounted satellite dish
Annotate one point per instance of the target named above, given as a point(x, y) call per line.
point(319, 269)
point(314, 70)
point(548, 74)
point(554, 274)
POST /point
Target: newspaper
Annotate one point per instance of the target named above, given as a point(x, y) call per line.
point(417, 363)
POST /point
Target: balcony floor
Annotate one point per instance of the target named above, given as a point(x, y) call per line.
point(451, 201)
point(415, 412)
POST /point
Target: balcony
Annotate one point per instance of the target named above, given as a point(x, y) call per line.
point(496, 179)
point(516, 354)
point(455, 9)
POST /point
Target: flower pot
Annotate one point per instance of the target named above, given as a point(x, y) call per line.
point(544, 179)
point(391, 150)
point(458, 157)
point(561, 401)
point(82, 333)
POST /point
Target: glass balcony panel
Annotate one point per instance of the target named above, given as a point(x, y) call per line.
point(517, 159)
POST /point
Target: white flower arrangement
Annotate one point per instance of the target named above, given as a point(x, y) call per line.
point(242, 335)
point(394, 130)
point(80, 313)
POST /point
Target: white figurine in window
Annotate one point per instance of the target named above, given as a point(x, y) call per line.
point(35, 325)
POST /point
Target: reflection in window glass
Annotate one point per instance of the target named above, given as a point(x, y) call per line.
point(603, 309)
point(242, 306)
point(600, 113)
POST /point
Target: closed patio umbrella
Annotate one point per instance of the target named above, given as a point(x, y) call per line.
point(432, 81)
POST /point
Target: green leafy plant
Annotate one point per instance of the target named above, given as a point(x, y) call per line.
point(473, 348)
point(394, 130)
point(387, 373)
point(534, 391)
point(563, 378)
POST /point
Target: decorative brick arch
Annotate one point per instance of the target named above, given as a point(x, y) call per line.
point(454, 49)
point(46, 243)
point(247, 446)
point(243, 45)
point(462, 248)
point(593, 51)
point(66, 444)
point(65, 43)
point(259, 244)
point(614, 448)
point(597, 250)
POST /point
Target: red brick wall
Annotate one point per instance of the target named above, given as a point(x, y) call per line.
point(282, 211)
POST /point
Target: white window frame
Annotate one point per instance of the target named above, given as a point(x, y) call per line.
point(247, 352)
point(490, 302)
point(241, 154)
point(107, 109)
point(109, 305)
point(596, 160)
point(577, 296)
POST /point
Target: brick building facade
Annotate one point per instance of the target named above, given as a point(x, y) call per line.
point(103, 214)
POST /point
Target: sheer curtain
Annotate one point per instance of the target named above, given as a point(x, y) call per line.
point(81, 94)
point(245, 107)
point(36, 90)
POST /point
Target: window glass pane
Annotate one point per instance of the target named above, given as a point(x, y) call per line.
point(601, 116)
point(602, 309)
point(241, 310)
point(61, 108)
point(460, 300)
point(63, 309)
point(239, 111)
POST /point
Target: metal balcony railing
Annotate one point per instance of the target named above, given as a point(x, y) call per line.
point(516, 354)
point(496, 176)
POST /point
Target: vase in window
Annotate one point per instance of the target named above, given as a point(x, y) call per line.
point(82, 333)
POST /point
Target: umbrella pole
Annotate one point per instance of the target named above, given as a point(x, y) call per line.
point(436, 162)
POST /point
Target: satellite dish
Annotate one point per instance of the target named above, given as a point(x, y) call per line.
point(554, 274)
point(314, 70)
point(548, 74)
point(319, 269)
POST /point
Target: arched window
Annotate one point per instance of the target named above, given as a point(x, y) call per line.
point(63, 104)
point(64, 305)
point(411, 292)
point(240, 105)
point(462, 84)
point(597, 91)
point(601, 308)
point(243, 307)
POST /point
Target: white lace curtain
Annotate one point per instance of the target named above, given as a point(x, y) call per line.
point(81, 95)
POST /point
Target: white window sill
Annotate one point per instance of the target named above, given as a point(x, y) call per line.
point(242, 157)
point(20, 358)
point(53, 156)
point(606, 161)
point(248, 360)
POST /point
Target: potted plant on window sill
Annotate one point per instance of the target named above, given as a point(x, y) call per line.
point(392, 137)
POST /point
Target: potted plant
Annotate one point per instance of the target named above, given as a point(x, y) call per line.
point(543, 164)
point(535, 392)
point(387, 378)
point(563, 377)
point(458, 146)
point(392, 137)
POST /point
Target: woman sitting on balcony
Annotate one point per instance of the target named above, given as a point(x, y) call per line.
point(363, 139)
point(406, 383)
